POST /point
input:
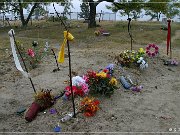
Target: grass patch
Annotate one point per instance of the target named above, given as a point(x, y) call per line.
point(42, 31)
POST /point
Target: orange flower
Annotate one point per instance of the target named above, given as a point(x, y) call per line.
point(89, 106)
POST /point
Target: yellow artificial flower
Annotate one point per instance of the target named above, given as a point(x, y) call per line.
point(102, 74)
point(113, 81)
point(141, 50)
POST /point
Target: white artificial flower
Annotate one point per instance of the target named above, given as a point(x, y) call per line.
point(77, 80)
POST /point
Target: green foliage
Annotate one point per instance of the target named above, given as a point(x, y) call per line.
point(173, 10)
point(18, 6)
point(67, 6)
point(155, 7)
point(131, 8)
point(84, 10)
point(101, 83)
point(30, 60)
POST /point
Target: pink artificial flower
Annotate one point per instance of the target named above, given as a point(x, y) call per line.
point(84, 88)
point(153, 45)
point(156, 48)
point(31, 53)
point(85, 78)
point(153, 54)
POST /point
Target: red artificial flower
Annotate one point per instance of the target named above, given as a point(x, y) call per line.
point(76, 91)
point(88, 114)
point(96, 102)
point(31, 53)
point(89, 106)
point(105, 70)
point(108, 75)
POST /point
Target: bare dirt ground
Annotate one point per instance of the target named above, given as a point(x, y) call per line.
point(155, 109)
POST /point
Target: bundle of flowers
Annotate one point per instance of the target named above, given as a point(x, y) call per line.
point(43, 100)
point(127, 58)
point(89, 106)
point(34, 54)
point(79, 87)
point(101, 83)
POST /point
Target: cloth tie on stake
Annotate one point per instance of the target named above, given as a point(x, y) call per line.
point(67, 36)
point(16, 60)
point(169, 36)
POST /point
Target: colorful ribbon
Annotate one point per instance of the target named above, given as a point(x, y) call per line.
point(168, 35)
point(67, 37)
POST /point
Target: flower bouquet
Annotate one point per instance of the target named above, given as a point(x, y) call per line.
point(129, 58)
point(101, 83)
point(89, 106)
point(34, 54)
point(79, 87)
point(43, 100)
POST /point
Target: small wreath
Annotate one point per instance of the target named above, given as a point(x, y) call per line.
point(149, 49)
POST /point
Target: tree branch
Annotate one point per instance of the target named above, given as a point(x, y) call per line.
point(31, 12)
point(15, 6)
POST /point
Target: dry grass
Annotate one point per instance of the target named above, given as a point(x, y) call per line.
point(143, 33)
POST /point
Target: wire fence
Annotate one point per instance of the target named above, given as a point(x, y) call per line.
point(70, 16)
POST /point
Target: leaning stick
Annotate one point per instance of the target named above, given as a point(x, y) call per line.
point(23, 62)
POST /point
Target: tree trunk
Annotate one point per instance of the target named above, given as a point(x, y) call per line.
point(30, 14)
point(21, 13)
point(92, 16)
point(23, 21)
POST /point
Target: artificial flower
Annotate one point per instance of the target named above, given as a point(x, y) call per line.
point(76, 91)
point(89, 106)
point(113, 81)
point(100, 83)
point(31, 52)
point(101, 74)
point(77, 80)
point(141, 50)
point(34, 43)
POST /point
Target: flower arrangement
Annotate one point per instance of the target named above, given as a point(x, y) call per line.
point(79, 87)
point(150, 52)
point(89, 106)
point(43, 100)
point(128, 58)
point(101, 83)
point(32, 55)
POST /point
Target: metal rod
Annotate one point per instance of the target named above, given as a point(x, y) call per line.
point(55, 59)
point(129, 26)
point(69, 55)
point(70, 77)
point(23, 62)
point(59, 17)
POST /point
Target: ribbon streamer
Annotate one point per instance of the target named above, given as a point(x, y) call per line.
point(16, 60)
point(67, 36)
point(168, 35)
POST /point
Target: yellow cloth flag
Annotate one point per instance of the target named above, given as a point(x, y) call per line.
point(67, 36)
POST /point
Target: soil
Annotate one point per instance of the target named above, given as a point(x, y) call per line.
point(153, 110)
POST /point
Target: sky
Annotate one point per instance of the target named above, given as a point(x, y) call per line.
point(101, 6)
